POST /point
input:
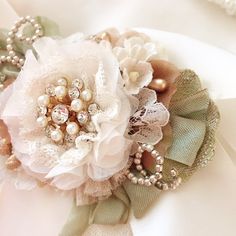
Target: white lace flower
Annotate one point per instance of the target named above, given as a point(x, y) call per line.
point(140, 49)
point(146, 124)
point(134, 52)
point(136, 75)
point(95, 157)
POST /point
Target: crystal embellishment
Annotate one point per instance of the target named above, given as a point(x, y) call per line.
point(50, 90)
point(78, 83)
point(60, 114)
point(42, 111)
point(93, 109)
point(83, 117)
point(62, 117)
point(74, 93)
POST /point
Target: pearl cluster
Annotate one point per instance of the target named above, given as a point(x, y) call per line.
point(13, 34)
point(155, 179)
point(65, 110)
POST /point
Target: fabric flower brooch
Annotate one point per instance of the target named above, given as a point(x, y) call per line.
point(105, 117)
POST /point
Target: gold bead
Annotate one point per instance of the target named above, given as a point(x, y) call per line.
point(160, 85)
point(12, 163)
point(105, 36)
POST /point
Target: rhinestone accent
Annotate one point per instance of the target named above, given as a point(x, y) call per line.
point(42, 111)
point(60, 114)
point(50, 90)
point(73, 93)
point(83, 117)
point(48, 130)
point(61, 111)
point(78, 83)
point(93, 109)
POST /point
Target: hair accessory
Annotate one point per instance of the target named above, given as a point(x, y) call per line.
point(106, 117)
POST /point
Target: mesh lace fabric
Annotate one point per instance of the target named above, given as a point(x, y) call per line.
point(206, 151)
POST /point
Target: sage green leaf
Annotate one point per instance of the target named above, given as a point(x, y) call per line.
point(188, 110)
point(111, 211)
point(109, 230)
point(3, 38)
point(78, 220)
point(142, 198)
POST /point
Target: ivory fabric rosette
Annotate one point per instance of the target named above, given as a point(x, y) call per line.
point(105, 117)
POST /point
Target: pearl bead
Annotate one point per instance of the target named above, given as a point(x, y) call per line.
point(43, 100)
point(32, 21)
point(137, 161)
point(72, 128)
point(62, 82)
point(77, 105)
point(28, 40)
point(11, 34)
point(38, 32)
point(158, 175)
point(3, 58)
point(159, 160)
point(149, 148)
point(130, 175)
point(133, 76)
point(12, 53)
point(9, 41)
point(60, 92)
point(56, 135)
point(21, 61)
point(143, 172)
point(16, 58)
point(153, 179)
point(160, 85)
point(140, 150)
point(42, 121)
point(34, 38)
point(154, 153)
point(139, 167)
point(147, 182)
point(141, 181)
point(134, 180)
point(8, 59)
point(159, 168)
point(173, 173)
point(138, 155)
point(86, 95)
point(9, 47)
point(144, 146)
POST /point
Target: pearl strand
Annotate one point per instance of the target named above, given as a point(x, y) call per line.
point(146, 179)
point(12, 34)
point(155, 179)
